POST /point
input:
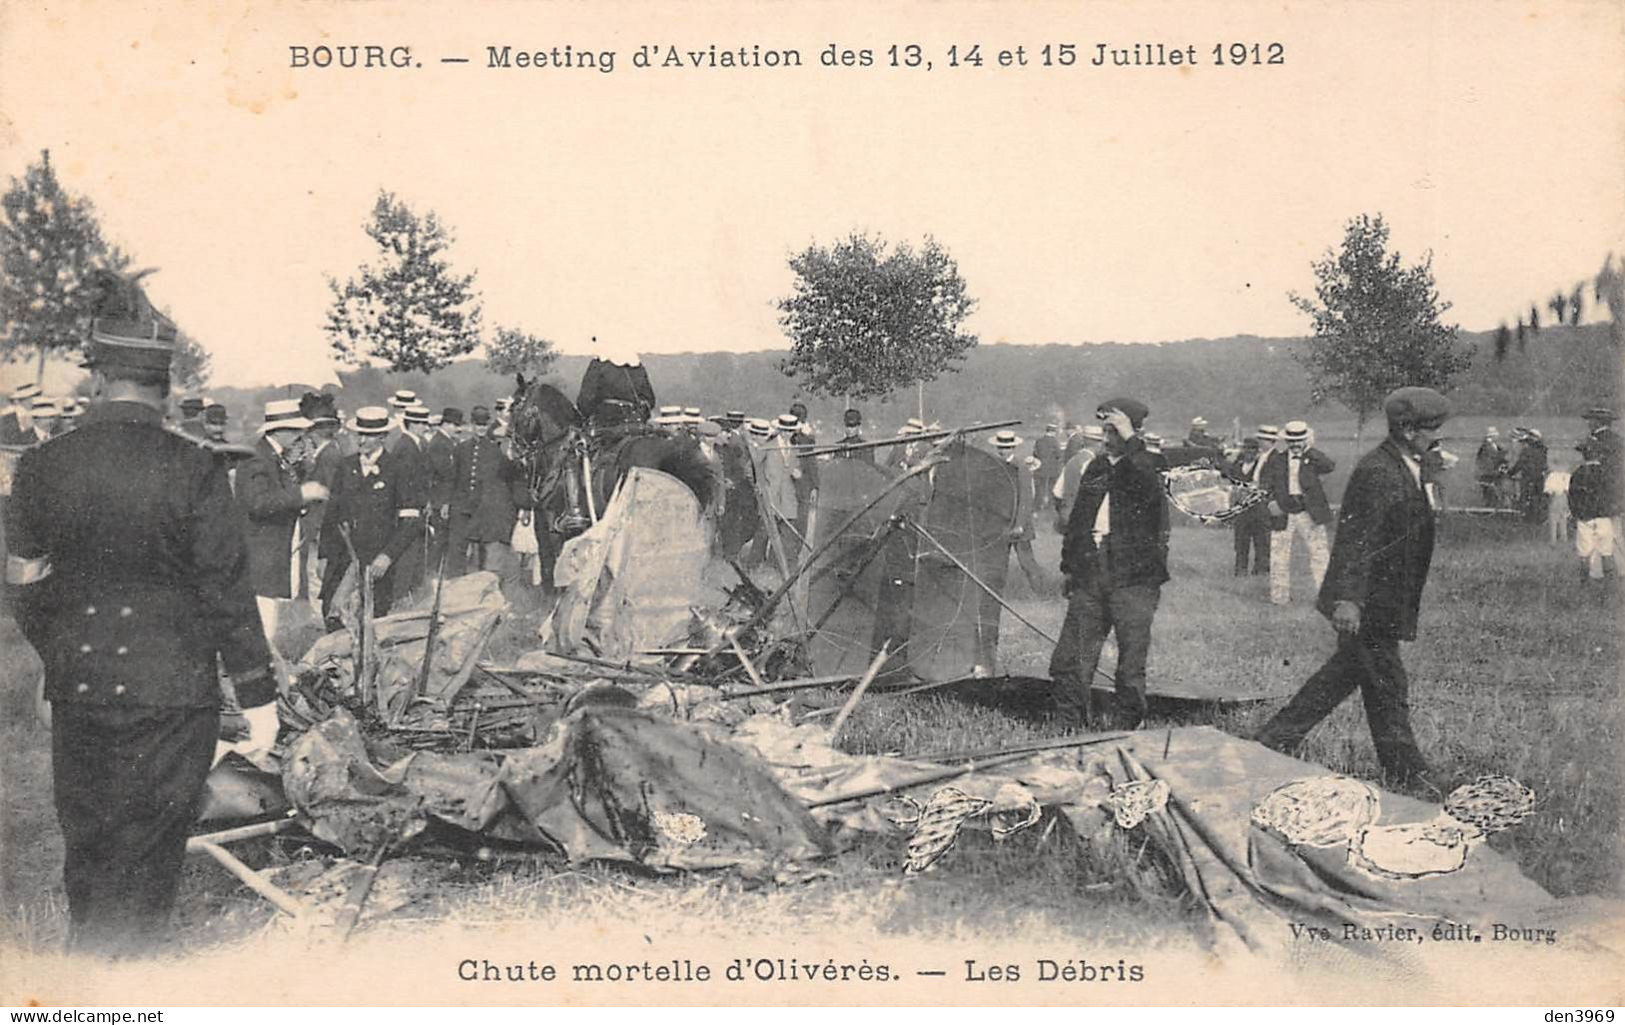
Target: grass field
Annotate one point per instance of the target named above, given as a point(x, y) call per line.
point(1516, 672)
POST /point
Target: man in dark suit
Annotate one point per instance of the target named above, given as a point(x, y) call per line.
point(487, 494)
point(130, 579)
point(442, 444)
point(806, 481)
point(1489, 467)
point(273, 499)
point(321, 464)
point(191, 421)
point(1529, 469)
point(1297, 507)
point(381, 502)
point(408, 457)
point(1047, 450)
point(1114, 563)
point(852, 419)
point(1373, 591)
point(1251, 528)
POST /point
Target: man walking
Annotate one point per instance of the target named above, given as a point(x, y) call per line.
point(1373, 591)
point(1114, 564)
point(1297, 507)
point(130, 575)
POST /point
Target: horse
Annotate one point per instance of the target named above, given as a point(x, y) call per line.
point(557, 447)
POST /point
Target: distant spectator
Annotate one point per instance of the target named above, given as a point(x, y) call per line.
point(1594, 504)
point(1489, 467)
point(1558, 510)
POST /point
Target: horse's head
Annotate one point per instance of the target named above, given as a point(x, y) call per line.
point(541, 414)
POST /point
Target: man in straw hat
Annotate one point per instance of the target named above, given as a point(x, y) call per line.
point(380, 503)
point(129, 573)
point(1007, 445)
point(273, 498)
point(1065, 489)
point(1373, 591)
point(1297, 507)
point(1490, 467)
point(1115, 564)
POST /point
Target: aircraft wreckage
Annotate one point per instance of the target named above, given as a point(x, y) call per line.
point(662, 724)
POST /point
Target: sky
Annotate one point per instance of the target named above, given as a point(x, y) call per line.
point(659, 205)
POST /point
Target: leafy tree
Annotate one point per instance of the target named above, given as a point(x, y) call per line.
point(1503, 340)
point(1376, 324)
point(1577, 303)
point(189, 368)
point(864, 320)
point(514, 352)
point(407, 309)
point(1559, 305)
point(50, 241)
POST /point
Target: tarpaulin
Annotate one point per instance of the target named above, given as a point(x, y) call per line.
point(630, 580)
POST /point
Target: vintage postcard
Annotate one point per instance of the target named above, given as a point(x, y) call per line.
point(790, 503)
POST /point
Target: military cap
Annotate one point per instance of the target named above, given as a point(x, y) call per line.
point(371, 420)
point(479, 416)
point(1006, 439)
point(319, 408)
point(852, 418)
point(1416, 407)
point(798, 410)
point(452, 415)
point(214, 413)
point(192, 405)
point(125, 330)
point(1134, 409)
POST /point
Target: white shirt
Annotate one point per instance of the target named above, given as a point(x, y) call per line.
point(1292, 464)
point(1103, 518)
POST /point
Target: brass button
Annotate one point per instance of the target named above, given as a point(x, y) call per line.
point(84, 649)
point(122, 650)
point(82, 688)
point(90, 610)
point(119, 690)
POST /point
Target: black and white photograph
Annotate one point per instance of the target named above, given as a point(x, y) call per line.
point(791, 503)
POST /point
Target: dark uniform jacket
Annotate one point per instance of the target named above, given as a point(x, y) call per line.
point(865, 454)
point(1134, 550)
point(382, 508)
point(439, 454)
point(605, 382)
point(138, 565)
point(1276, 479)
point(268, 491)
point(488, 491)
point(1489, 462)
point(323, 468)
point(1047, 450)
point(1590, 495)
point(1383, 546)
point(1530, 467)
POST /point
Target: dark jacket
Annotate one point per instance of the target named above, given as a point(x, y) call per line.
point(268, 491)
point(384, 510)
point(1490, 461)
point(139, 565)
point(1383, 546)
point(807, 483)
point(606, 382)
point(1047, 450)
point(1134, 551)
point(865, 454)
point(1590, 495)
point(323, 468)
point(1276, 480)
point(1530, 466)
point(487, 491)
point(440, 455)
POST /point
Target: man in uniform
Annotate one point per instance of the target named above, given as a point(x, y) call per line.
point(191, 421)
point(378, 500)
point(1373, 591)
point(440, 449)
point(273, 497)
point(214, 423)
point(1297, 507)
point(487, 494)
point(1047, 450)
point(1115, 564)
point(409, 454)
point(1529, 470)
point(130, 580)
point(852, 420)
point(615, 389)
point(1489, 467)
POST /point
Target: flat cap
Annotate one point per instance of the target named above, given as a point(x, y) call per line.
point(1414, 406)
point(1134, 409)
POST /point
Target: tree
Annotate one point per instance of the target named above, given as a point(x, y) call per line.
point(1559, 305)
point(514, 352)
point(864, 322)
point(408, 309)
point(50, 241)
point(1503, 341)
point(1376, 324)
point(189, 367)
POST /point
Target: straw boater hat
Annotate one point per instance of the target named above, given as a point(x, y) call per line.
point(1269, 432)
point(283, 414)
point(403, 398)
point(1153, 442)
point(1491, 432)
point(759, 428)
point(371, 420)
point(25, 394)
point(1197, 421)
point(1094, 432)
point(914, 426)
point(668, 416)
point(44, 407)
point(1006, 439)
point(436, 419)
point(1296, 430)
point(787, 423)
point(691, 414)
point(417, 413)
